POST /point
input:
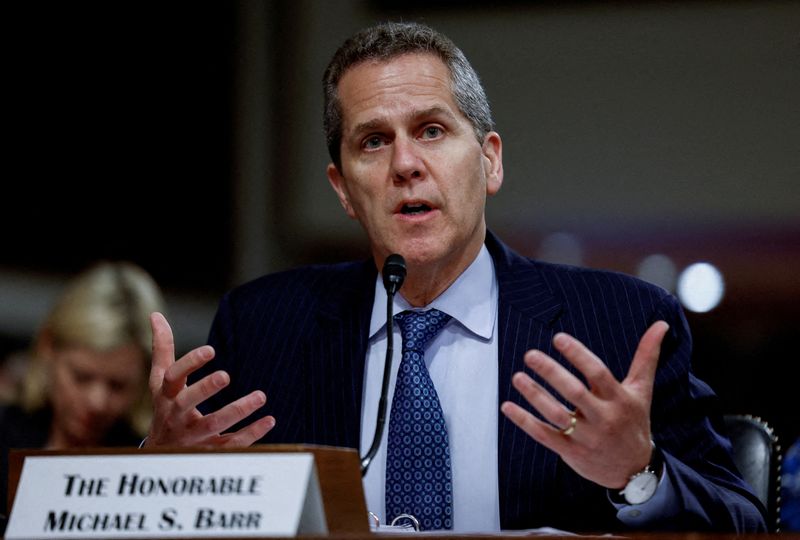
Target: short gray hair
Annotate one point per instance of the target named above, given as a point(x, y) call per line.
point(389, 40)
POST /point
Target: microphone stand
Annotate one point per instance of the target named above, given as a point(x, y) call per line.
point(394, 272)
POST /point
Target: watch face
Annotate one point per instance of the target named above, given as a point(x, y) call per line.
point(641, 487)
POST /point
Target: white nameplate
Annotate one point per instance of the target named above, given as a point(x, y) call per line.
point(167, 495)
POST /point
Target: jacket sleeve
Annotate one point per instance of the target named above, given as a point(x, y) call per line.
point(710, 492)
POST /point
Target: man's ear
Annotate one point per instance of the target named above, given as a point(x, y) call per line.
point(338, 184)
point(493, 162)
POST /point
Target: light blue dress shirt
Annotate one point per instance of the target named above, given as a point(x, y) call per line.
point(462, 360)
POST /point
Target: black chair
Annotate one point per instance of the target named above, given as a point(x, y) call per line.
point(757, 454)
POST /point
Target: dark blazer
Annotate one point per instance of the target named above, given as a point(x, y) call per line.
point(301, 336)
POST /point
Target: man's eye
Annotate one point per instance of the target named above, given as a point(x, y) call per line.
point(432, 132)
point(372, 142)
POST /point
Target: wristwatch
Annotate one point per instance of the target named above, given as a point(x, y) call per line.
point(642, 485)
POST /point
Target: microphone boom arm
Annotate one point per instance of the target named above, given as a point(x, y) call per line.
point(381, 421)
point(394, 273)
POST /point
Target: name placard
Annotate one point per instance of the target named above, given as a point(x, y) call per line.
point(167, 495)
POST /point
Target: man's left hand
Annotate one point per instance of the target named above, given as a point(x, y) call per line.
point(606, 436)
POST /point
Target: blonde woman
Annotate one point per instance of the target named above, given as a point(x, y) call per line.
point(86, 384)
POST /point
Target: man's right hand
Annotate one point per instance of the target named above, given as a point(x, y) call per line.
point(176, 420)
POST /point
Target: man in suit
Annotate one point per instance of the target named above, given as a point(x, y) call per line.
point(607, 430)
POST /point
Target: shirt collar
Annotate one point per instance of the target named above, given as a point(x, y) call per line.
point(471, 299)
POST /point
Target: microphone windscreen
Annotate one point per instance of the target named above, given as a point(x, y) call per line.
point(394, 273)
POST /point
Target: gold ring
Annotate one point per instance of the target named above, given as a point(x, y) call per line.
point(573, 421)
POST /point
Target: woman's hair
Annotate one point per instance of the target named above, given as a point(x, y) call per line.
point(105, 307)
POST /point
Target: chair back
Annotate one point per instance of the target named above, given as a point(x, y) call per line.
point(757, 455)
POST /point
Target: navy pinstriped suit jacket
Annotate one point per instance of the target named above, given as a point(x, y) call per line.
point(301, 336)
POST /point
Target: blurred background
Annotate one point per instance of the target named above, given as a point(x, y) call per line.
point(659, 139)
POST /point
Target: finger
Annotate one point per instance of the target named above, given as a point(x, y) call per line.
point(540, 431)
point(176, 375)
point(233, 412)
point(565, 383)
point(645, 361)
point(248, 435)
point(196, 393)
point(163, 349)
point(597, 374)
point(541, 400)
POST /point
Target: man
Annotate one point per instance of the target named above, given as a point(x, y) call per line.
point(611, 405)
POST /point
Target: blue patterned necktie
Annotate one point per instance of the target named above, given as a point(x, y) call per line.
point(418, 477)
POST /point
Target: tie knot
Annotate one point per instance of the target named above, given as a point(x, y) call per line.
point(418, 327)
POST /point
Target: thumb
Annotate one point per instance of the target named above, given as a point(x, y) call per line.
point(163, 349)
point(645, 360)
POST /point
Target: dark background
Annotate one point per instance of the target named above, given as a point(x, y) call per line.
point(121, 138)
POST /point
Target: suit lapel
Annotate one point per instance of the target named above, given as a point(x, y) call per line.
point(337, 356)
point(527, 312)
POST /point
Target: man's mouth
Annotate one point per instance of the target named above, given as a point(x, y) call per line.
point(413, 209)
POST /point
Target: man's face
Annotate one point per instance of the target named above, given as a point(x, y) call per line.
point(91, 390)
point(412, 171)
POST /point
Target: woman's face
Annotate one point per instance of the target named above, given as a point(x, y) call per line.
point(91, 390)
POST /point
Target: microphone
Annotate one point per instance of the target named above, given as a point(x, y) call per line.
point(394, 273)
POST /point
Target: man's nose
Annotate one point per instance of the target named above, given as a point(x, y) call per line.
point(406, 161)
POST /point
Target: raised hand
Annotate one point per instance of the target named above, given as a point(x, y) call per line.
point(606, 436)
point(176, 419)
